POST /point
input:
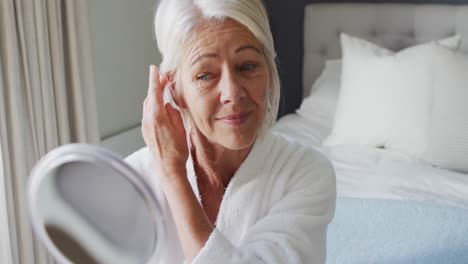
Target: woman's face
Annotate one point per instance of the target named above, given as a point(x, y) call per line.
point(225, 84)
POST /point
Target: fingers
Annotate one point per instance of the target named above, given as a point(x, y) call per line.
point(156, 86)
point(153, 77)
point(174, 116)
point(197, 138)
point(154, 110)
point(162, 126)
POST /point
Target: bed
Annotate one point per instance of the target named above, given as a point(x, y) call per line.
point(392, 207)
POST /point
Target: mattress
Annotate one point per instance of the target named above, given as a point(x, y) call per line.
point(364, 172)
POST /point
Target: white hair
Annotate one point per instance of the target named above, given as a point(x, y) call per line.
point(175, 20)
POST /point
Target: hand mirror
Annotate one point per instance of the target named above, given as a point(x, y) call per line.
point(87, 205)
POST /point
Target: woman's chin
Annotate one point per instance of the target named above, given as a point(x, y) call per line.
point(237, 142)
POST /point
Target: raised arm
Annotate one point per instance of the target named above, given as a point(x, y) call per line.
point(165, 136)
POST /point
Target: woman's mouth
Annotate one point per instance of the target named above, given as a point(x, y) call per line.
point(235, 119)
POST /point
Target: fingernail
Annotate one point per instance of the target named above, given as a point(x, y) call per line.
point(151, 67)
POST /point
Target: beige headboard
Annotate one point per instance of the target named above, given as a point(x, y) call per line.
point(394, 26)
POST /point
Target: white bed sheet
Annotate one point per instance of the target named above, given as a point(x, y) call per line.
point(364, 172)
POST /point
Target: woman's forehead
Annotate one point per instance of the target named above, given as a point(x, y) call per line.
point(211, 36)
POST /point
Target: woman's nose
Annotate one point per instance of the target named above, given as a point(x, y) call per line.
point(231, 89)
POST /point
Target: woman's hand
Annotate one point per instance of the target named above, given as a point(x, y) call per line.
point(163, 130)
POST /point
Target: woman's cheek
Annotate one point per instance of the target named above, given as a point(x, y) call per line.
point(202, 107)
point(260, 92)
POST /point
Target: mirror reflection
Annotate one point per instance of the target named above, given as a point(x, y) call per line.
point(90, 212)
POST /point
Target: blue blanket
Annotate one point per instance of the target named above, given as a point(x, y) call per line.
point(397, 232)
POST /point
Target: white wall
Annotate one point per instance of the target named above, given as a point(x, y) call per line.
point(123, 48)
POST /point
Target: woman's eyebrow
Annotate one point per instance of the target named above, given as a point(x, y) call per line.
point(214, 55)
point(244, 47)
point(205, 55)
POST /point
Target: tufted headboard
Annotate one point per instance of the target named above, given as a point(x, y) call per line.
point(394, 26)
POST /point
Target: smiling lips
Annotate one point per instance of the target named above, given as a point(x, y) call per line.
point(236, 119)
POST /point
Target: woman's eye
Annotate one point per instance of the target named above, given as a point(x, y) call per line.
point(248, 66)
point(203, 77)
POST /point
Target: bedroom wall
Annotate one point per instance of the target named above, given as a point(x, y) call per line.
point(286, 18)
point(123, 48)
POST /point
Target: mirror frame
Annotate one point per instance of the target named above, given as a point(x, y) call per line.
point(101, 157)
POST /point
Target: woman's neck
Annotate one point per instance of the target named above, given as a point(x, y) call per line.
point(214, 164)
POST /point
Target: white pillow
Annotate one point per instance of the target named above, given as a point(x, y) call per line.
point(384, 100)
point(328, 83)
point(321, 103)
point(448, 133)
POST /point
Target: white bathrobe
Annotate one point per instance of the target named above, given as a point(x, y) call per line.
point(275, 209)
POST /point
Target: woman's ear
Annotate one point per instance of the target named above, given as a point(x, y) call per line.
point(176, 94)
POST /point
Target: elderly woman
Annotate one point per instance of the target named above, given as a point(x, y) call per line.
point(231, 192)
